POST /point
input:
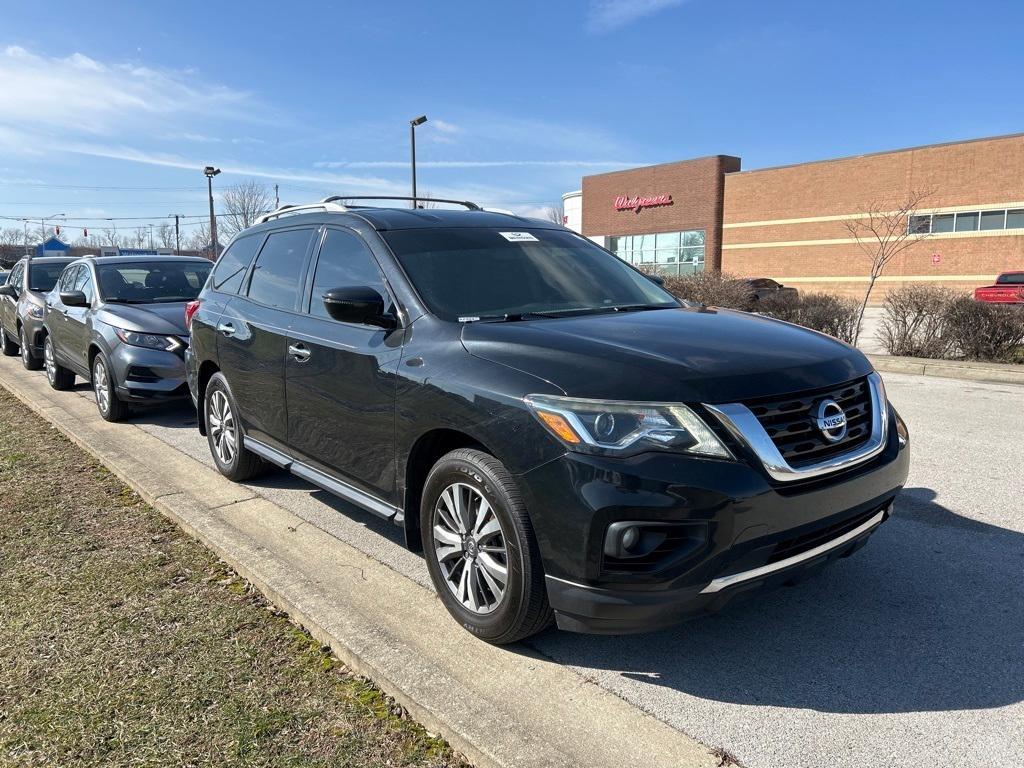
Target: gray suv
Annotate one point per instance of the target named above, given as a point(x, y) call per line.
point(22, 304)
point(119, 321)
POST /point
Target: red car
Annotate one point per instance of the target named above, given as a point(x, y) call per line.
point(1009, 289)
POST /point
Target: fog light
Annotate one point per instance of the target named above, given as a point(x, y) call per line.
point(630, 537)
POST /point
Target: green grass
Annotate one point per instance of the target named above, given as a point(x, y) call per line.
point(125, 643)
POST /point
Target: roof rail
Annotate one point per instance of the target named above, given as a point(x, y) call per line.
point(286, 210)
point(465, 203)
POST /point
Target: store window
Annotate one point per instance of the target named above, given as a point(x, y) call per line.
point(669, 253)
point(966, 221)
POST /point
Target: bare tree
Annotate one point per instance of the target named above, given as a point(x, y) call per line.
point(242, 204)
point(165, 235)
point(10, 236)
point(110, 237)
point(139, 237)
point(198, 239)
point(554, 213)
point(882, 233)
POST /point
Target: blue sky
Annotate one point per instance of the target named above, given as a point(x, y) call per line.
point(111, 109)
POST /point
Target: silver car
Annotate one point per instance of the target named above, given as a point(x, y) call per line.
point(22, 304)
point(119, 321)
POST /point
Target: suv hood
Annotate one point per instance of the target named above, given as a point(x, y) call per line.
point(674, 355)
point(166, 319)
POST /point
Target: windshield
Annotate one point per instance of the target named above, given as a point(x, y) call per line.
point(42, 277)
point(151, 282)
point(479, 273)
point(1011, 278)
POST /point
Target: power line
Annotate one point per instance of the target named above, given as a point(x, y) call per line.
point(198, 218)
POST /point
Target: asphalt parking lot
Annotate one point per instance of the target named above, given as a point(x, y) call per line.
point(911, 652)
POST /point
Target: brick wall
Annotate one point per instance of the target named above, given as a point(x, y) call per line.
point(697, 188)
point(979, 174)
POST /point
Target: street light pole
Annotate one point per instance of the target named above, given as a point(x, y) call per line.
point(210, 172)
point(412, 143)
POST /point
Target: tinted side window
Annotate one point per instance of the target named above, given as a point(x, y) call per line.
point(230, 269)
point(17, 275)
point(345, 261)
point(84, 283)
point(67, 280)
point(278, 272)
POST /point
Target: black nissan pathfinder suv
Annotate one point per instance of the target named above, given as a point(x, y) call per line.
point(564, 439)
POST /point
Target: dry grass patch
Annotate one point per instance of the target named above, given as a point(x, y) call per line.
point(125, 643)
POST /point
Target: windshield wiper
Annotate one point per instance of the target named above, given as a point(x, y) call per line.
point(639, 307)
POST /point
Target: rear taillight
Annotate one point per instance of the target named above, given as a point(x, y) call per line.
point(190, 309)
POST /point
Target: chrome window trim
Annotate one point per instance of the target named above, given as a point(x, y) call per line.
point(722, 582)
point(744, 426)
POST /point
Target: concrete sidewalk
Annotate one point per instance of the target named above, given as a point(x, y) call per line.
point(500, 707)
point(966, 370)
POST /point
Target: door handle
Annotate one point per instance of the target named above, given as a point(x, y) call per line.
point(228, 329)
point(300, 352)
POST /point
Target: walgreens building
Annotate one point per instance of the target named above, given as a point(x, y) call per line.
point(789, 223)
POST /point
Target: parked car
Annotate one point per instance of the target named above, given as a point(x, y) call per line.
point(119, 321)
point(22, 304)
point(562, 437)
point(762, 288)
point(1008, 289)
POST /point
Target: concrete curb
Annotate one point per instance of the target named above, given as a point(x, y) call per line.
point(500, 707)
point(950, 369)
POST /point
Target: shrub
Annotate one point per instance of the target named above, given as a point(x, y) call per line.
point(980, 331)
point(819, 311)
point(913, 321)
point(925, 321)
point(712, 288)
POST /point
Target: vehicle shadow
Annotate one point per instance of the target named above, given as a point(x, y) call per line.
point(929, 616)
point(277, 479)
point(179, 414)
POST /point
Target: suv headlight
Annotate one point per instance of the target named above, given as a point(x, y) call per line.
point(35, 311)
point(622, 428)
point(149, 340)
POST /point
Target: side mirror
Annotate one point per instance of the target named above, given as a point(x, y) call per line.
point(658, 279)
point(358, 304)
point(9, 291)
point(73, 299)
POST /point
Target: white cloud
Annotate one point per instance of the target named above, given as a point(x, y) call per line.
point(80, 94)
point(608, 15)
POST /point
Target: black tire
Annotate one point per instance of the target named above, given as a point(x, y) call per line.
point(60, 378)
point(29, 360)
point(9, 348)
point(522, 609)
point(110, 406)
point(232, 458)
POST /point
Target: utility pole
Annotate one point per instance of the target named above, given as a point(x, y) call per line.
point(209, 171)
point(177, 234)
point(151, 237)
point(277, 198)
point(412, 144)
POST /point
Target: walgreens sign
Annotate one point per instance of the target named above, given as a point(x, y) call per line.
point(638, 203)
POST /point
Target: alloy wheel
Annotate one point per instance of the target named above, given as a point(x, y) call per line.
point(51, 364)
point(221, 421)
point(25, 354)
point(101, 385)
point(470, 548)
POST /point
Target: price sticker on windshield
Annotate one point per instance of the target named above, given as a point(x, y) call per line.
point(519, 237)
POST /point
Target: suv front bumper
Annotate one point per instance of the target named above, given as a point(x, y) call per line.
point(757, 533)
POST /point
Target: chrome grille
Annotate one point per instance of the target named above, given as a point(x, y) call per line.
point(789, 422)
